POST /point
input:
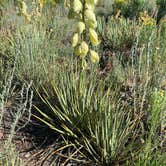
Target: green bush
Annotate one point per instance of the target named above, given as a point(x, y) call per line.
point(42, 45)
point(132, 8)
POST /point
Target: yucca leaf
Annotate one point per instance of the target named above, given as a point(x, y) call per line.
point(49, 125)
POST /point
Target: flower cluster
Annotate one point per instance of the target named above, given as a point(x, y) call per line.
point(83, 12)
point(145, 19)
point(37, 6)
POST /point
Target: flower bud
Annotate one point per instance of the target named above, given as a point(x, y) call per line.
point(93, 37)
point(90, 18)
point(94, 57)
point(75, 39)
point(81, 50)
point(77, 6)
point(80, 27)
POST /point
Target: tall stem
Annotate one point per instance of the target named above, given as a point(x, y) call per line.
point(83, 18)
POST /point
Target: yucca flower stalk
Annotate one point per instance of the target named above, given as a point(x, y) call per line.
point(83, 12)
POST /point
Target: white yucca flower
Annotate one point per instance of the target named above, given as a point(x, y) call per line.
point(82, 49)
point(93, 37)
point(90, 18)
point(77, 6)
point(94, 57)
point(80, 27)
point(75, 39)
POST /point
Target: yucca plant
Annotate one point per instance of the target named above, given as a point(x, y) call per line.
point(90, 113)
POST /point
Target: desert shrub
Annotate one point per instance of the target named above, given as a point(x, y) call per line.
point(119, 34)
point(11, 115)
point(132, 8)
point(153, 152)
point(36, 45)
point(119, 37)
point(127, 8)
point(40, 45)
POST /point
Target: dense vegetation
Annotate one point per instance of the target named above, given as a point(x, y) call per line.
point(61, 104)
